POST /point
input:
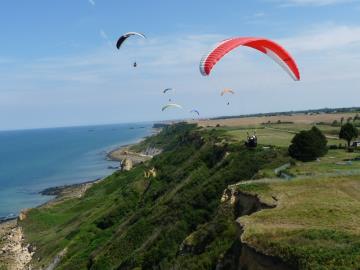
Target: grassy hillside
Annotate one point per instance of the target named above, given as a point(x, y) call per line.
point(128, 221)
point(176, 220)
point(315, 223)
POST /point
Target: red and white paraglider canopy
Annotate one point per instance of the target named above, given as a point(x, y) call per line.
point(266, 46)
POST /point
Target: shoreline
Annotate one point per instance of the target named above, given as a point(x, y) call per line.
point(5, 220)
point(59, 191)
point(14, 251)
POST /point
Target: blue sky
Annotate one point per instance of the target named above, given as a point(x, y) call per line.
point(59, 65)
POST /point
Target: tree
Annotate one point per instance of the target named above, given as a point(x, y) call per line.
point(341, 121)
point(308, 145)
point(356, 117)
point(348, 132)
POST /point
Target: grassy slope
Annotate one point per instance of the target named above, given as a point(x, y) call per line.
point(314, 226)
point(315, 223)
point(127, 221)
point(281, 134)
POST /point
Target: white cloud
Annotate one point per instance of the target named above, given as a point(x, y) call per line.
point(92, 2)
point(327, 37)
point(259, 14)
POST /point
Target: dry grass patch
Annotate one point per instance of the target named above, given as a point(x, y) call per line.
point(297, 119)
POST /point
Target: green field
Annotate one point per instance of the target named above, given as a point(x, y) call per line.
point(315, 222)
point(281, 134)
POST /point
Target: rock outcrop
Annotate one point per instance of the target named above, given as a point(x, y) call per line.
point(23, 214)
point(15, 254)
point(126, 164)
point(150, 173)
point(241, 256)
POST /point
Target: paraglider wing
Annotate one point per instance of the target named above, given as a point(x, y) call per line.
point(171, 105)
point(195, 111)
point(126, 36)
point(266, 46)
point(227, 91)
point(167, 90)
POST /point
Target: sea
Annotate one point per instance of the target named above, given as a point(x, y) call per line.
point(32, 160)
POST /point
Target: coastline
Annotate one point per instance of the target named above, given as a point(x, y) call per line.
point(125, 152)
point(119, 153)
point(14, 251)
point(56, 191)
point(77, 189)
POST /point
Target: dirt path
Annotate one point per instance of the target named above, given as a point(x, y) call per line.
point(56, 260)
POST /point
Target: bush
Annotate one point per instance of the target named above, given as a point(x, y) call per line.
point(333, 146)
point(348, 132)
point(308, 145)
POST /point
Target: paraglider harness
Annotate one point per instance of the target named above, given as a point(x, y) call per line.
point(251, 141)
point(135, 64)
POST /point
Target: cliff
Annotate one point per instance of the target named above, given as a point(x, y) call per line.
point(171, 212)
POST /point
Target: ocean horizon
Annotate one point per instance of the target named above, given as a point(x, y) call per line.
point(35, 159)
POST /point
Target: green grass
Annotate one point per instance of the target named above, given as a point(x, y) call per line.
point(121, 224)
point(54, 228)
point(265, 136)
point(327, 129)
point(332, 164)
point(281, 134)
point(128, 222)
point(315, 223)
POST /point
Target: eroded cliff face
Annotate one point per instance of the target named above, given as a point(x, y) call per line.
point(15, 254)
point(241, 256)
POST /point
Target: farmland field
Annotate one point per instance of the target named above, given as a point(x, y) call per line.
point(280, 129)
point(296, 118)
